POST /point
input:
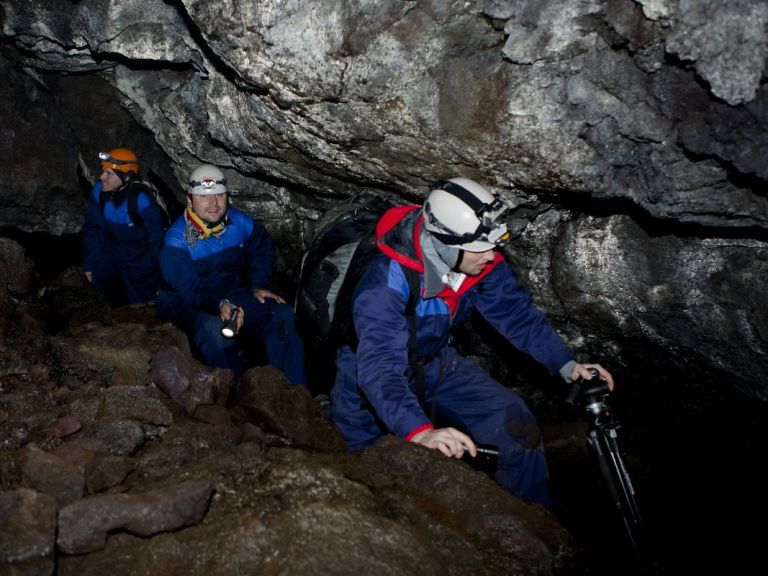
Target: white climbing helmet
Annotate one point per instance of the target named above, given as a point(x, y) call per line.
point(461, 213)
point(207, 179)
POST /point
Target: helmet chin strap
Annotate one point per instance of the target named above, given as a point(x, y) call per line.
point(125, 177)
point(459, 259)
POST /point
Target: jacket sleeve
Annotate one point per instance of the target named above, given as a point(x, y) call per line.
point(93, 230)
point(178, 270)
point(382, 354)
point(509, 308)
point(259, 253)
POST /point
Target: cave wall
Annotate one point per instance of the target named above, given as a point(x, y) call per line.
point(634, 133)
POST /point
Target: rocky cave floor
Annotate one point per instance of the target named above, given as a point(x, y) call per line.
point(693, 450)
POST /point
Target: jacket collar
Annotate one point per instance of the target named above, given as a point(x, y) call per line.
point(398, 235)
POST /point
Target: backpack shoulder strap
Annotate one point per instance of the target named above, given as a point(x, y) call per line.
point(412, 276)
point(102, 201)
point(415, 363)
point(133, 204)
point(414, 285)
point(136, 188)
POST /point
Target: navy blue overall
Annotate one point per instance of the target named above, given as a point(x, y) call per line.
point(373, 394)
point(200, 273)
point(121, 255)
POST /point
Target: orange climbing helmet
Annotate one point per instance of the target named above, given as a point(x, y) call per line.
point(120, 159)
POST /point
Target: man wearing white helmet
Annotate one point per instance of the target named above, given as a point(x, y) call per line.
point(403, 366)
point(215, 260)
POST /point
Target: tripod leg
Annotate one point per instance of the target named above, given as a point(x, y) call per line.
point(622, 477)
point(605, 447)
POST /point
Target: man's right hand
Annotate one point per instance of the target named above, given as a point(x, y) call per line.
point(225, 310)
point(449, 441)
point(89, 276)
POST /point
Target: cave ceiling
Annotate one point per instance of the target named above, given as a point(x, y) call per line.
point(631, 134)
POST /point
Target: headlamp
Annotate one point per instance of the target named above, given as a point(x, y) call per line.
point(492, 227)
point(494, 213)
point(208, 183)
point(499, 235)
point(104, 156)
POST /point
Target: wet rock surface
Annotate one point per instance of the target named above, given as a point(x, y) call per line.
point(147, 462)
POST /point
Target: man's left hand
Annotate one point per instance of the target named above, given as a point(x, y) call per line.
point(260, 294)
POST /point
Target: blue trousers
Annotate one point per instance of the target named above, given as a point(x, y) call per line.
point(467, 398)
point(122, 287)
point(269, 323)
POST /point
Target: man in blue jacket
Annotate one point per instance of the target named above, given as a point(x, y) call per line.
point(123, 232)
point(450, 244)
point(217, 259)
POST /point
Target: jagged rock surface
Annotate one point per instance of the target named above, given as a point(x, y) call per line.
point(609, 111)
point(115, 475)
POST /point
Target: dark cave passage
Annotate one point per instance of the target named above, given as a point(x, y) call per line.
point(50, 254)
point(693, 452)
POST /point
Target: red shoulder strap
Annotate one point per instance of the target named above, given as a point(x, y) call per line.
point(386, 223)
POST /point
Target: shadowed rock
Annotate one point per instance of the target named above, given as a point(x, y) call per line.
point(50, 474)
point(17, 272)
point(480, 505)
point(123, 437)
point(287, 410)
point(102, 470)
point(80, 451)
point(123, 350)
point(188, 382)
point(135, 403)
point(83, 526)
point(106, 471)
point(27, 532)
point(66, 426)
point(386, 511)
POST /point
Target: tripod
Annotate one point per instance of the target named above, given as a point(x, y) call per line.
point(603, 443)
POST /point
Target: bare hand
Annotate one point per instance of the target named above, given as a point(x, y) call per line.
point(580, 371)
point(260, 294)
point(88, 276)
point(449, 441)
point(225, 312)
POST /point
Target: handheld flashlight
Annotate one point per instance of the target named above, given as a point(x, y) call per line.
point(229, 326)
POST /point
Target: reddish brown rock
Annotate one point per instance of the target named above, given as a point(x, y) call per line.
point(84, 525)
point(66, 426)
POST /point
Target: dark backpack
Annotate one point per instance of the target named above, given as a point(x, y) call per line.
point(342, 246)
point(132, 197)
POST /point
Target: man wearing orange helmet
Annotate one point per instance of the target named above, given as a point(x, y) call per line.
point(123, 232)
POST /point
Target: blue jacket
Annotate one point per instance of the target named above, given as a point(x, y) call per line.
point(112, 236)
point(202, 272)
point(380, 365)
